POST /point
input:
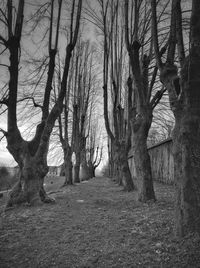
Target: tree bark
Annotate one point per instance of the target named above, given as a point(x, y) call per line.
point(186, 150)
point(140, 129)
point(68, 166)
point(127, 177)
point(29, 188)
point(77, 168)
point(91, 168)
point(31, 156)
point(121, 161)
point(184, 98)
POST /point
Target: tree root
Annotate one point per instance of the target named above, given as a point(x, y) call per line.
point(18, 196)
point(44, 197)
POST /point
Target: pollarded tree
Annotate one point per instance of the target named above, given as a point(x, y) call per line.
point(118, 128)
point(82, 93)
point(183, 83)
point(65, 143)
point(94, 151)
point(31, 156)
point(141, 82)
point(65, 123)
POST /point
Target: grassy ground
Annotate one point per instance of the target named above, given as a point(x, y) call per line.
point(95, 224)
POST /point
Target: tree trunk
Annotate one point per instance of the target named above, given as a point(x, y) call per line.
point(186, 136)
point(30, 188)
point(91, 169)
point(121, 161)
point(92, 172)
point(184, 98)
point(186, 150)
point(127, 180)
point(77, 168)
point(142, 158)
point(68, 166)
point(85, 173)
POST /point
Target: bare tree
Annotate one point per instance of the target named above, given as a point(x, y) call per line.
point(141, 82)
point(82, 92)
point(93, 151)
point(119, 128)
point(31, 156)
point(182, 83)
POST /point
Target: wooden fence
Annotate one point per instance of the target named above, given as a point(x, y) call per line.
point(162, 163)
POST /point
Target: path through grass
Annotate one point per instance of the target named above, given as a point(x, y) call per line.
point(95, 224)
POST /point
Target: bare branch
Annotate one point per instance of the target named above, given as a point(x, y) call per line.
point(179, 34)
point(4, 16)
point(155, 34)
point(5, 133)
point(78, 16)
point(172, 35)
point(58, 23)
point(4, 101)
point(10, 17)
point(31, 98)
point(19, 20)
point(126, 25)
point(3, 41)
point(155, 100)
point(4, 65)
point(51, 25)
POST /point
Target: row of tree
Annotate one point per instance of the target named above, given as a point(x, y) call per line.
point(149, 48)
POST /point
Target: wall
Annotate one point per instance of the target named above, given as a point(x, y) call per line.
point(162, 163)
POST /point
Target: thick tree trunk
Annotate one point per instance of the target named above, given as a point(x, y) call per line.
point(68, 172)
point(127, 180)
point(142, 159)
point(92, 172)
point(30, 188)
point(121, 161)
point(77, 168)
point(85, 172)
point(184, 98)
point(118, 178)
point(186, 150)
point(186, 136)
point(68, 166)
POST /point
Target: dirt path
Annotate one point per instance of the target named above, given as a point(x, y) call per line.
point(95, 224)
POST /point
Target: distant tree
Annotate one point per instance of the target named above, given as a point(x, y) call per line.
point(94, 151)
point(83, 91)
point(73, 123)
point(118, 127)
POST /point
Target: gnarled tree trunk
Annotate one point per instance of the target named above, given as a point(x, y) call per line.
point(126, 176)
point(184, 94)
point(121, 160)
point(29, 188)
point(140, 129)
point(31, 156)
point(186, 150)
